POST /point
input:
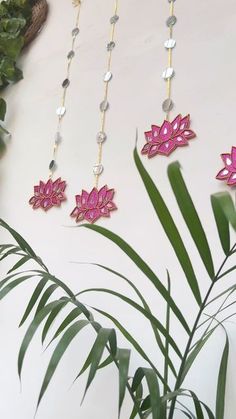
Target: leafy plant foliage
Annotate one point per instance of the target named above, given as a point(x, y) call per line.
point(15, 16)
point(150, 388)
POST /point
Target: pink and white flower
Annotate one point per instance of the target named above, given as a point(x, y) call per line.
point(48, 195)
point(165, 139)
point(91, 206)
point(228, 173)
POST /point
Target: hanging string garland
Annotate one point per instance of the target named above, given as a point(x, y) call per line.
point(166, 138)
point(52, 192)
point(91, 206)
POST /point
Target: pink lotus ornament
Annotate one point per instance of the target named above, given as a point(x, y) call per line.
point(94, 205)
point(49, 194)
point(165, 139)
point(228, 173)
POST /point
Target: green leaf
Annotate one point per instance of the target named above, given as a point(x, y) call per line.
point(13, 285)
point(39, 288)
point(20, 262)
point(147, 314)
point(59, 351)
point(190, 216)
point(31, 332)
point(103, 337)
point(194, 353)
point(221, 222)
point(141, 264)
point(197, 405)
point(11, 46)
point(45, 297)
point(153, 388)
point(147, 308)
point(123, 357)
point(52, 316)
point(169, 227)
point(221, 385)
point(76, 312)
point(133, 342)
point(19, 239)
point(3, 109)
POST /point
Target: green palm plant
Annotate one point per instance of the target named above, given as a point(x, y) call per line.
point(151, 388)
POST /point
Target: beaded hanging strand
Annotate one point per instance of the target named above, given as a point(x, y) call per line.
point(91, 206)
point(52, 193)
point(166, 138)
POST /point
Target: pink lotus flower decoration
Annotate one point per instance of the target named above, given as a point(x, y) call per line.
point(48, 195)
point(91, 206)
point(165, 139)
point(228, 173)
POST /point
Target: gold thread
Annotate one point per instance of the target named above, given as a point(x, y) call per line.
point(106, 91)
point(76, 3)
point(170, 56)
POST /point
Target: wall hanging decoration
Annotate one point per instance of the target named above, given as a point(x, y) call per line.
point(91, 206)
point(166, 138)
point(228, 173)
point(52, 192)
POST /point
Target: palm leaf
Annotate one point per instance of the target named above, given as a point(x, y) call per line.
point(190, 216)
point(147, 314)
point(59, 351)
point(221, 386)
point(141, 264)
point(32, 330)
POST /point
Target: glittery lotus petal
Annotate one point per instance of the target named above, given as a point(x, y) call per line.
point(155, 132)
point(180, 140)
point(166, 131)
point(232, 179)
point(233, 155)
point(185, 123)
point(94, 205)
point(148, 135)
point(48, 194)
point(171, 135)
point(228, 173)
point(167, 148)
point(153, 150)
point(145, 149)
point(93, 198)
point(176, 124)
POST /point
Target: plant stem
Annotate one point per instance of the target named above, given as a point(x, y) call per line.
point(188, 346)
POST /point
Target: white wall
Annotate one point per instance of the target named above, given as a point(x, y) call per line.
point(205, 66)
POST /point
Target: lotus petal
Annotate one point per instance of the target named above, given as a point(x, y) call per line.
point(233, 155)
point(84, 198)
point(166, 131)
point(167, 148)
point(78, 200)
point(48, 188)
point(180, 140)
point(92, 215)
point(92, 199)
point(227, 159)
point(153, 150)
point(176, 124)
point(148, 136)
point(185, 123)
point(232, 179)
point(155, 133)
point(145, 149)
point(102, 195)
point(189, 134)
point(223, 174)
